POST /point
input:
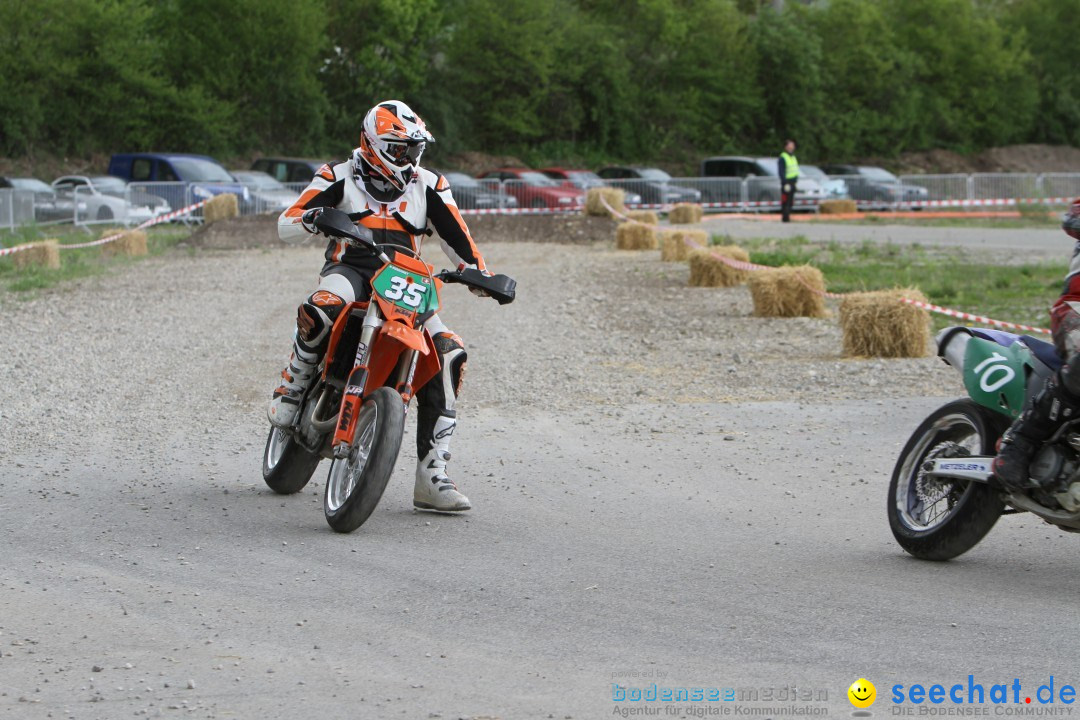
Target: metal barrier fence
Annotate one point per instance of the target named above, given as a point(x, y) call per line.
point(16, 208)
point(83, 206)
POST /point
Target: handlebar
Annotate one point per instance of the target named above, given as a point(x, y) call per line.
point(335, 223)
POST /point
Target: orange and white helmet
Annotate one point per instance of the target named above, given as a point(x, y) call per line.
point(391, 143)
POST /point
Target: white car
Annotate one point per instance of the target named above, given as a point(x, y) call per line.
point(108, 198)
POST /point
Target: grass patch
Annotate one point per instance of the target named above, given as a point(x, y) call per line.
point(74, 264)
point(1029, 219)
point(950, 277)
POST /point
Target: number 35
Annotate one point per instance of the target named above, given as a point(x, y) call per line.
point(412, 295)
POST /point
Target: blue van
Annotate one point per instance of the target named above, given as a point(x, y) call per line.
point(204, 175)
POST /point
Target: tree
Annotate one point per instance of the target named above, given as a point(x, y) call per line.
point(257, 61)
point(378, 50)
point(1050, 26)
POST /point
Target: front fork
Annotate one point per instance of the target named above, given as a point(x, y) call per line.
point(354, 388)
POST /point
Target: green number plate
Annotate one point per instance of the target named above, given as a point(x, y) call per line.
point(410, 291)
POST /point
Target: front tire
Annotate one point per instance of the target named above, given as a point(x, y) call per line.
point(939, 519)
point(287, 467)
point(356, 483)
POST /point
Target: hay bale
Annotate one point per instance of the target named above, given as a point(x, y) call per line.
point(685, 214)
point(635, 236)
point(708, 270)
point(788, 291)
point(131, 243)
point(838, 207)
point(674, 247)
point(644, 216)
point(221, 207)
point(614, 197)
point(877, 324)
point(45, 253)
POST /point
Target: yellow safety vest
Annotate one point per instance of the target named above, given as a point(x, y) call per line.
point(791, 165)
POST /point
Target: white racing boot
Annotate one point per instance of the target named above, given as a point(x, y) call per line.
point(295, 380)
point(433, 489)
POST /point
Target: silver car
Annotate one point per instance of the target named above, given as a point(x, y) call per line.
point(268, 195)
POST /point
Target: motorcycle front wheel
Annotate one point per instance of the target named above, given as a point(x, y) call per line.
point(941, 518)
point(287, 466)
point(356, 482)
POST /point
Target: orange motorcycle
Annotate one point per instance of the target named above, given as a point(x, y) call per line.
point(378, 356)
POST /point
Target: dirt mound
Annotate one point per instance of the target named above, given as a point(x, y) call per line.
point(1012, 158)
point(474, 163)
point(261, 231)
point(50, 167)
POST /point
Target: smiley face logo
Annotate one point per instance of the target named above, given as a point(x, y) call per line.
point(862, 693)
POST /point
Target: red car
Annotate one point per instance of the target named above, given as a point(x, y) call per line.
point(534, 189)
point(585, 179)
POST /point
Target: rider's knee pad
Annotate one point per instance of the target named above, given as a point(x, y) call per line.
point(315, 317)
point(453, 357)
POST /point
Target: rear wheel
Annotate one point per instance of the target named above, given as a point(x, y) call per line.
point(941, 518)
point(356, 483)
point(287, 466)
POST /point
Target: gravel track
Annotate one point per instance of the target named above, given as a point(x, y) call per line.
point(662, 484)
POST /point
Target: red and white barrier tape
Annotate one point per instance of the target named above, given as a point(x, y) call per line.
point(10, 250)
point(521, 211)
point(982, 320)
point(988, 202)
point(149, 223)
point(627, 218)
point(152, 221)
point(973, 318)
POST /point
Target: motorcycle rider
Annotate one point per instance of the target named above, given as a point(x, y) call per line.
point(383, 188)
point(1059, 398)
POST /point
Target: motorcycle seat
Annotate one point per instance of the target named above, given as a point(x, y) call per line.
point(1041, 349)
point(1044, 351)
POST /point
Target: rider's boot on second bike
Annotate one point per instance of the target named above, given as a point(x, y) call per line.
point(295, 380)
point(433, 489)
point(1053, 405)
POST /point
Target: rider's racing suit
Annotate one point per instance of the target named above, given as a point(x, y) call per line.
point(346, 276)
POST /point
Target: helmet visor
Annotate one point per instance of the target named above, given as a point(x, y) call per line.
point(402, 153)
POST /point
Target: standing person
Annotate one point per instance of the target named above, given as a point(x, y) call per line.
point(1059, 398)
point(789, 177)
point(383, 188)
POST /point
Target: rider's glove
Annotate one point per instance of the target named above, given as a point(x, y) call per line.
point(787, 187)
point(308, 219)
point(475, 291)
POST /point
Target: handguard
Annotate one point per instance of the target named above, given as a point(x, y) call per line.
point(501, 287)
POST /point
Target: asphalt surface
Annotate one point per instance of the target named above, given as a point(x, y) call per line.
point(1037, 242)
point(619, 543)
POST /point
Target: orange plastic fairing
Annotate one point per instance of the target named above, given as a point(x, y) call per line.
point(407, 336)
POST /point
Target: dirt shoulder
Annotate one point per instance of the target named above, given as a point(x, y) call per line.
point(261, 231)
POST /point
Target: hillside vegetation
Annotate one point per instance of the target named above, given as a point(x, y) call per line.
point(545, 80)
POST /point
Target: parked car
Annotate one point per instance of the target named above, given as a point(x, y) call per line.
point(535, 189)
point(288, 169)
point(652, 184)
point(585, 179)
point(48, 206)
point(267, 194)
point(203, 175)
point(763, 179)
point(470, 194)
point(876, 185)
point(103, 197)
point(835, 188)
